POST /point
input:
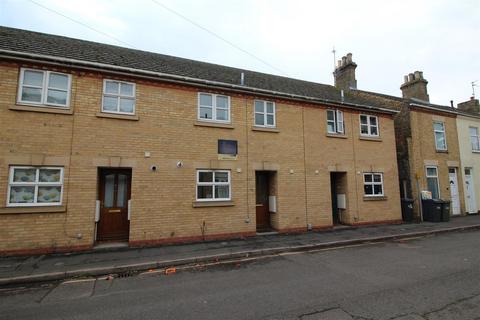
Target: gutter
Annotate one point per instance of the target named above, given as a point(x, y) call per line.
point(152, 75)
point(432, 108)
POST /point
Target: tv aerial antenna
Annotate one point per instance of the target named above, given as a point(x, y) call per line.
point(474, 84)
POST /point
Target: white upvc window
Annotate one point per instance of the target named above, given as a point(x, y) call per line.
point(432, 181)
point(440, 137)
point(335, 123)
point(368, 125)
point(35, 186)
point(118, 97)
point(373, 184)
point(213, 185)
point(265, 114)
point(44, 88)
point(474, 139)
point(213, 107)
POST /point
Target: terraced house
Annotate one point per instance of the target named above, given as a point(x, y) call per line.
point(427, 142)
point(103, 143)
point(468, 126)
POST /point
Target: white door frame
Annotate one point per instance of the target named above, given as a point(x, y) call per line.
point(470, 201)
point(454, 192)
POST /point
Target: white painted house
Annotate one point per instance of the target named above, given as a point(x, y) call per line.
point(468, 127)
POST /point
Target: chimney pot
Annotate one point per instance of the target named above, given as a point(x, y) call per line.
point(415, 86)
point(349, 57)
point(339, 63)
point(344, 61)
point(405, 79)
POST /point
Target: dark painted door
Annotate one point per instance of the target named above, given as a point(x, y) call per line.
point(333, 190)
point(262, 210)
point(115, 185)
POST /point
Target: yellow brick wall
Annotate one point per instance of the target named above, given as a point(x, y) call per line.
point(166, 127)
point(423, 151)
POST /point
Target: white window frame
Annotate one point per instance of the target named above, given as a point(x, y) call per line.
point(213, 184)
point(35, 184)
point(373, 184)
point(369, 125)
point(473, 138)
point(435, 131)
point(214, 107)
point(338, 122)
point(44, 87)
point(435, 176)
point(265, 113)
point(119, 95)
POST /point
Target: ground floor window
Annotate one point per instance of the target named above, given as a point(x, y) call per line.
point(213, 185)
point(35, 186)
point(432, 182)
point(373, 184)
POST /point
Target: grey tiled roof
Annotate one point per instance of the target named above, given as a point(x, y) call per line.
point(23, 41)
point(365, 100)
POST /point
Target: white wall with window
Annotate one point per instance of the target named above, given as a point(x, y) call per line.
point(118, 97)
point(469, 147)
point(373, 184)
point(432, 181)
point(335, 122)
point(440, 137)
point(35, 186)
point(369, 126)
point(44, 88)
point(213, 185)
point(265, 113)
point(213, 107)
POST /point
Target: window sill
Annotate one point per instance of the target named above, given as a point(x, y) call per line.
point(117, 116)
point(202, 204)
point(441, 151)
point(21, 210)
point(376, 139)
point(336, 135)
point(375, 198)
point(44, 109)
point(476, 151)
point(265, 129)
point(213, 124)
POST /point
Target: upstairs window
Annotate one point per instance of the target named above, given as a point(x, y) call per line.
point(264, 113)
point(474, 139)
point(213, 107)
point(44, 88)
point(35, 186)
point(440, 139)
point(118, 97)
point(368, 125)
point(373, 184)
point(213, 185)
point(335, 123)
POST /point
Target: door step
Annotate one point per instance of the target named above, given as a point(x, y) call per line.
point(266, 233)
point(110, 245)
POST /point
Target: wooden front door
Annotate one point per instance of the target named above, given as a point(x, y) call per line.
point(262, 210)
point(115, 185)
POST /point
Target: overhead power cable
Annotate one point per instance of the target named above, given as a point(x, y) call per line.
point(82, 24)
point(218, 36)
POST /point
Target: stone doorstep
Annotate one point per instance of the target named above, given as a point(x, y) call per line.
point(100, 271)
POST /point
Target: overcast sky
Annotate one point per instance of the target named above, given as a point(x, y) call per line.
point(388, 39)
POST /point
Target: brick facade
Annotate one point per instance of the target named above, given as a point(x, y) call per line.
point(299, 153)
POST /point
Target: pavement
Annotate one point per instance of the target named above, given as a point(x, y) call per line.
point(54, 267)
point(421, 278)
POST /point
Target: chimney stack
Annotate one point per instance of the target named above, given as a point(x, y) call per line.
point(345, 73)
point(471, 106)
point(415, 86)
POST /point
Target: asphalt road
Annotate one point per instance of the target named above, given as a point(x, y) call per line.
point(429, 278)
